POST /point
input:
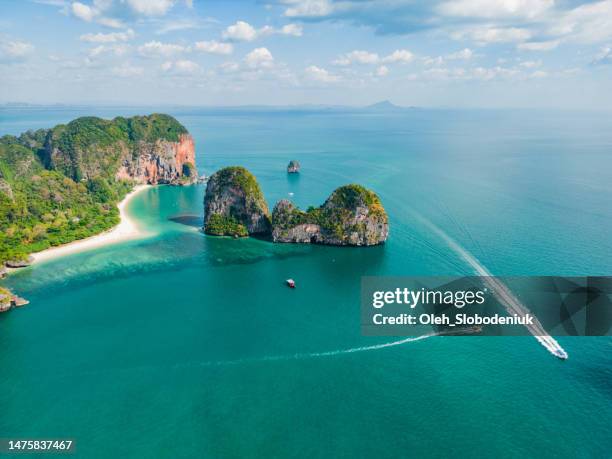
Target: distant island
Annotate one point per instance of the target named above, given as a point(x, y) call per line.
point(63, 184)
point(234, 205)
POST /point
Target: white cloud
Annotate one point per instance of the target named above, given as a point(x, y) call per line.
point(292, 29)
point(158, 49)
point(530, 64)
point(259, 58)
point(588, 23)
point(382, 71)
point(539, 45)
point(539, 74)
point(495, 8)
point(117, 50)
point(240, 31)
point(127, 70)
point(399, 56)
point(488, 34)
point(243, 31)
point(464, 54)
point(214, 47)
point(319, 74)
point(84, 12)
point(433, 61)
point(108, 37)
point(308, 8)
point(181, 67)
point(357, 57)
point(150, 7)
point(15, 50)
point(603, 57)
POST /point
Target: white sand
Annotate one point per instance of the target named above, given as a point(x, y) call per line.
point(124, 231)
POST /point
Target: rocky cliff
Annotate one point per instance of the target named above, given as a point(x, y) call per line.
point(150, 149)
point(160, 162)
point(352, 215)
point(234, 204)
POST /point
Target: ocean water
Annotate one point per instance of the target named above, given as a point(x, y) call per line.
point(184, 345)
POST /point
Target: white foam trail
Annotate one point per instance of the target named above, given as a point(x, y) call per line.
point(314, 355)
point(502, 292)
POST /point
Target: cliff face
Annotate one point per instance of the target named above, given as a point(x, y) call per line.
point(160, 162)
point(352, 215)
point(148, 149)
point(234, 204)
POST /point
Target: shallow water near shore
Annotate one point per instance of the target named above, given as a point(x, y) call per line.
point(183, 345)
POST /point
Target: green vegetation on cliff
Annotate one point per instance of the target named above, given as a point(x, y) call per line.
point(58, 185)
point(220, 225)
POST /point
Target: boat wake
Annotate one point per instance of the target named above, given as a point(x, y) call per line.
point(311, 355)
point(512, 304)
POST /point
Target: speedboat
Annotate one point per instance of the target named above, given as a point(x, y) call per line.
point(290, 283)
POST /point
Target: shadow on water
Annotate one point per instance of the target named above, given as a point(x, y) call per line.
point(193, 220)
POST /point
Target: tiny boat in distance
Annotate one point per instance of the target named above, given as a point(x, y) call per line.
point(290, 283)
point(560, 353)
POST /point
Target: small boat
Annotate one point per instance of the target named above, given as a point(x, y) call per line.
point(290, 283)
point(560, 353)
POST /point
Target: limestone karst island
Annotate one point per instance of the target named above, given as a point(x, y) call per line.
point(234, 205)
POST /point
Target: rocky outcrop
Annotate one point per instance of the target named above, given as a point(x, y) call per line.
point(21, 263)
point(153, 149)
point(234, 204)
point(293, 167)
point(352, 215)
point(161, 162)
point(9, 301)
point(3, 272)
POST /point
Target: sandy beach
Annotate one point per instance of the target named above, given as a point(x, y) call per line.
point(126, 230)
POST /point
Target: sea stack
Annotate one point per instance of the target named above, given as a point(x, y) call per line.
point(352, 216)
point(234, 204)
point(293, 167)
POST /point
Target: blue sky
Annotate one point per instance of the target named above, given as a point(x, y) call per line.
point(457, 53)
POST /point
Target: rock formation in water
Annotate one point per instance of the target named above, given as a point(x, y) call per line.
point(293, 167)
point(9, 301)
point(352, 215)
point(234, 204)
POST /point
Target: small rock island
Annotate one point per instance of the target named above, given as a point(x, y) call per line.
point(235, 206)
point(293, 167)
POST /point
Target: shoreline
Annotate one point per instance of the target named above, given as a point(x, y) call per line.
point(126, 230)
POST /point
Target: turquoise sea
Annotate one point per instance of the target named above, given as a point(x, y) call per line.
point(183, 345)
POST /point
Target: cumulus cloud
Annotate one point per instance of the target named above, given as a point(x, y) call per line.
point(158, 49)
point(15, 50)
point(84, 12)
point(399, 56)
point(150, 7)
point(487, 34)
point(108, 37)
point(357, 57)
point(243, 31)
point(240, 31)
point(321, 75)
point(214, 47)
point(308, 8)
point(495, 8)
point(464, 54)
point(117, 50)
point(539, 45)
point(382, 71)
point(127, 70)
point(181, 67)
point(259, 58)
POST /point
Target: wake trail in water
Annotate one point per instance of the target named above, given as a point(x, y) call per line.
point(512, 304)
point(311, 355)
